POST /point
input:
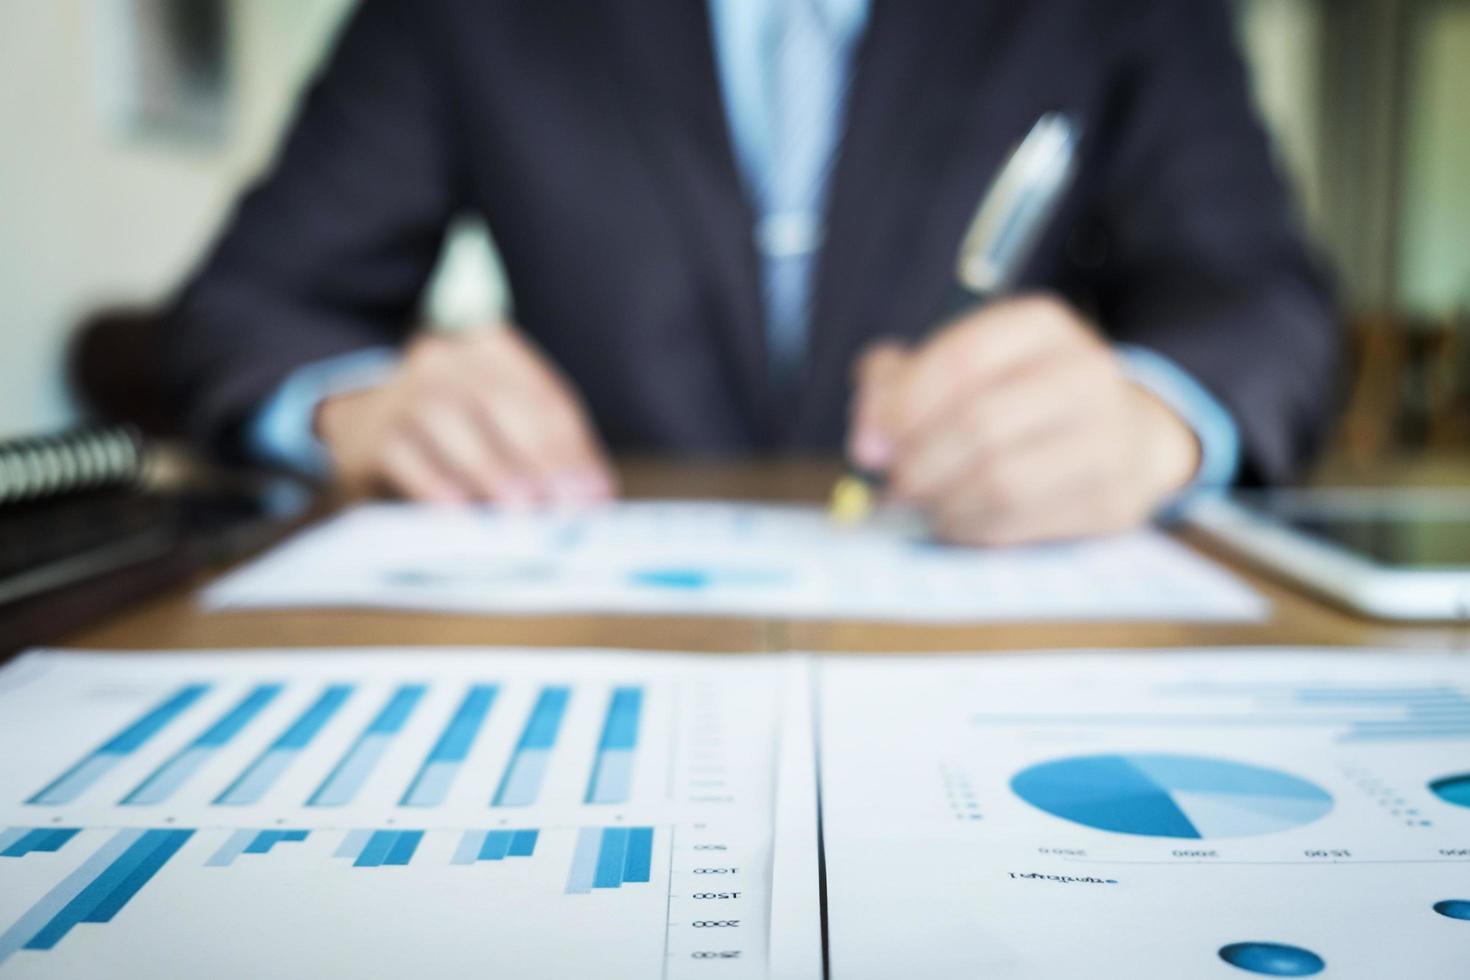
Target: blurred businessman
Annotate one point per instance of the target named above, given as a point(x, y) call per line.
point(729, 226)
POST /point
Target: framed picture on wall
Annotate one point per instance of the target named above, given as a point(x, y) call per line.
point(163, 67)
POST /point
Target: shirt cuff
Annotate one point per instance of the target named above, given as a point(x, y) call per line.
point(281, 433)
point(1211, 422)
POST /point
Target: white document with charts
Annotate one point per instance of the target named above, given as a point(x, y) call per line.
point(444, 813)
point(711, 558)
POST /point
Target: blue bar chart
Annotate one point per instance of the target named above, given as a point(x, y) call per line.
point(494, 845)
point(429, 733)
point(345, 780)
point(431, 784)
point(261, 774)
point(379, 848)
point(612, 771)
point(17, 842)
point(609, 857)
point(424, 812)
point(173, 773)
point(96, 891)
point(71, 784)
point(252, 842)
point(521, 783)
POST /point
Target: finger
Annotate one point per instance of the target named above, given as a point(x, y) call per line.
point(1071, 487)
point(537, 418)
point(978, 350)
point(458, 446)
point(1077, 510)
point(409, 470)
point(582, 471)
point(870, 440)
point(1018, 488)
point(1019, 408)
point(541, 446)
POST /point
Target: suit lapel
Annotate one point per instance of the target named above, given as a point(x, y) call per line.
point(919, 147)
point(662, 60)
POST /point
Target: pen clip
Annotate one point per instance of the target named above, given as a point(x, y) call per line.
point(1018, 205)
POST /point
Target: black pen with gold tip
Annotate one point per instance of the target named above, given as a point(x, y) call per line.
point(1015, 210)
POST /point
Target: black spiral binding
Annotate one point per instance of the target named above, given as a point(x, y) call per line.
point(77, 461)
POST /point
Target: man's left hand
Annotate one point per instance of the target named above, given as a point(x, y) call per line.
point(1015, 424)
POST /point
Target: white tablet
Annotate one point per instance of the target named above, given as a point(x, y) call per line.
point(1390, 553)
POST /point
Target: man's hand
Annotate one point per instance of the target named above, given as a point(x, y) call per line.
point(1016, 424)
point(480, 416)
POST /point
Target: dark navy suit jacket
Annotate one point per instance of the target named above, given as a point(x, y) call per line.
point(591, 136)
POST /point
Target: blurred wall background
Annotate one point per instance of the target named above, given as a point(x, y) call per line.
point(1366, 98)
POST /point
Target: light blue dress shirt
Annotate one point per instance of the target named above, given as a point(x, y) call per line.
point(788, 238)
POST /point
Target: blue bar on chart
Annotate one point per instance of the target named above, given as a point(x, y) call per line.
point(92, 767)
point(1370, 714)
point(521, 783)
point(431, 784)
point(610, 857)
point(379, 848)
point(257, 779)
point(612, 772)
point(343, 782)
point(494, 845)
point(96, 891)
point(251, 842)
point(174, 772)
point(17, 842)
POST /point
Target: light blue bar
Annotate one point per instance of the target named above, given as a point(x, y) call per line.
point(98, 893)
point(314, 718)
point(32, 840)
point(243, 713)
point(403, 847)
point(353, 844)
point(230, 849)
point(378, 846)
point(454, 744)
point(609, 873)
point(468, 851)
point(343, 783)
point(66, 789)
point(431, 785)
point(584, 861)
point(523, 844)
point(167, 778)
point(70, 784)
point(257, 778)
point(613, 779)
point(522, 782)
point(545, 721)
point(252, 784)
point(638, 858)
point(1408, 734)
point(620, 731)
point(57, 839)
point(496, 845)
point(165, 844)
point(51, 904)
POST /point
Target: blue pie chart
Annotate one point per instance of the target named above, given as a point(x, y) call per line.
point(1453, 789)
point(1166, 795)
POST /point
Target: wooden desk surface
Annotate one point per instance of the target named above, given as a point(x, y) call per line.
point(174, 621)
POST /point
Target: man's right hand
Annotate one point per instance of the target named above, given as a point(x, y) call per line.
point(481, 416)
